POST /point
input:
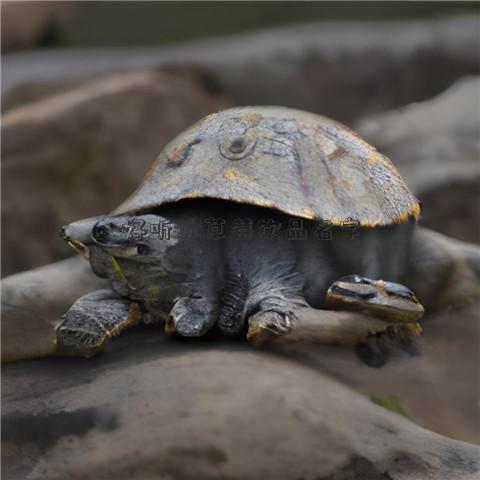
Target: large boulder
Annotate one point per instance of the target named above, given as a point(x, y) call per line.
point(436, 147)
point(80, 153)
point(435, 388)
point(156, 409)
point(438, 134)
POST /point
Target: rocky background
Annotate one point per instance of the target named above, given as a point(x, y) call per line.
point(80, 128)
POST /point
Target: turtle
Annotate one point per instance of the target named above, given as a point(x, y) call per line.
point(247, 218)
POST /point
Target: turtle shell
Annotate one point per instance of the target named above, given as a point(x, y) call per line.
point(296, 162)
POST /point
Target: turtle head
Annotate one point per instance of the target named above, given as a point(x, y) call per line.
point(379, 298)
point(106, 240)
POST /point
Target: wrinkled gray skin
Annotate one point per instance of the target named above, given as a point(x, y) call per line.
point(254, 280)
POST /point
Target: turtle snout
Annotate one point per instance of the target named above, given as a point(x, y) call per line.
point(78, 235)
point(80, 231)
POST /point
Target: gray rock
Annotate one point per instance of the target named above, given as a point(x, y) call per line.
point(156, 409)
point(33, 303)
point(436, 388)
point(436, 146)
point(426, 139)
point(25, 23)
point(80, 153)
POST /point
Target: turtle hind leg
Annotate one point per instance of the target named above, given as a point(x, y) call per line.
point(395, 342)
point(92, 320)
point(265, 324)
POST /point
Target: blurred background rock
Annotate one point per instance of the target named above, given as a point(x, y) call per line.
point(33, 24)
point(92, 91)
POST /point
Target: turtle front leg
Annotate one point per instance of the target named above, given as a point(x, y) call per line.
point(92, 320)
point(191, 316)
point(271, 311)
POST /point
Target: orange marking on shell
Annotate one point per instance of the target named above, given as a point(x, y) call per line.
point(413, 212)
point(233, 174)
point(416, 209)
point(193, 194)
point(151, 168)
point(388, 163)
point(372, 158)
point(172, 154)
point(308, 212)
point(369, 223)
point(252, 117)
point(263, 203)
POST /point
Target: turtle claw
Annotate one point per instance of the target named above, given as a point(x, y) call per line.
point(266, 325)
point(190, 317)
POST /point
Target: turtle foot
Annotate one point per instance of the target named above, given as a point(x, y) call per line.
point(191, 317)
point(395, 342)
point(92, 320)
point(264, 326)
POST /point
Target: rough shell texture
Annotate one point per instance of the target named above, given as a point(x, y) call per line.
point(296, 162)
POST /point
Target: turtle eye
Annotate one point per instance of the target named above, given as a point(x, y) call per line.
point(352, 293)
point(398, 290)
point(100, 233)
point(405, 294)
